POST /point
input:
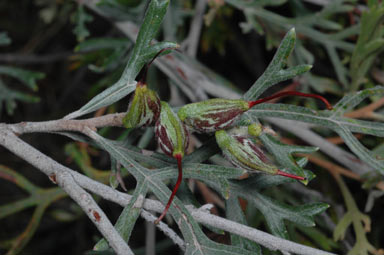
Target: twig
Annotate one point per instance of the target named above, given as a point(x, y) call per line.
point(265, 239)
point(331, 167)
point(150, 238)
point(164, 228)
point(367, 111)
point(114, 120)
point(191, 43)
point(67, 179)
point(59, 174)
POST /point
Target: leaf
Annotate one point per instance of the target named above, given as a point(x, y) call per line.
point(128, 216)
point(306, 24)
point(80, 19)
point(26, 77)
point(188, 226)
point(102, 54)
point(355, 217)
point(275, 212)
point(9, 97)
point(318, 237)
point(369, 44)
point(283, 154)
point(275, 72)
point(141, 53)
point(331, 119)
point(38, 197)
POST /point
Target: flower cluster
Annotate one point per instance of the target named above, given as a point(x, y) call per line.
point(214, 115)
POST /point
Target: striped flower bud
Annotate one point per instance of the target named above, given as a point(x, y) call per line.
point(217, 114)
point(244, 153)
point(173, 139)
point(171, 132)
point(211, 115)
point(144, 108)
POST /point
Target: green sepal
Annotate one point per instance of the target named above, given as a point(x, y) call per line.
point(171, 132)
point(144, 108)
point(242, 152)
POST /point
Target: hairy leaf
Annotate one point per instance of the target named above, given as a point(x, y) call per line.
point(141, 53)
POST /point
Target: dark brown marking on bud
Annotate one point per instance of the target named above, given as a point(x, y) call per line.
point(216, 121)
point(155, 107)
point(164, 141)
point(256, 149)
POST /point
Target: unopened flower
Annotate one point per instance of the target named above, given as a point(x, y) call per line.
point(217, 114)
point(144, 108)
point(244, 153)
point(173, 139)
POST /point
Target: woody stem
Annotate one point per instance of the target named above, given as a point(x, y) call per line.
point(290, 93)
point(178, 182)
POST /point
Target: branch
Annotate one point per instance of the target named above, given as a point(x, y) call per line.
point(60, 175)
point(191, 43)
point(164, 228)
point(74, 183)
point(114, 120)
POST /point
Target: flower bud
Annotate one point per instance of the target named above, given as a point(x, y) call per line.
point(144, 108)
point(244, 153)
point(173, 139)
point(217, 114)
point(255, 129)
point(171, 132)
point(212, 115)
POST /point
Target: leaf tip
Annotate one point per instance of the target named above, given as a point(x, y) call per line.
point(292, 32)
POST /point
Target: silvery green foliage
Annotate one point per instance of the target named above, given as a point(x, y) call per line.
point(142, 52)
point(151, 171)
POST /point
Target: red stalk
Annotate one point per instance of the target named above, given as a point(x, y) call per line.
point(290, 93)
point(290, 175)
point(179, 179)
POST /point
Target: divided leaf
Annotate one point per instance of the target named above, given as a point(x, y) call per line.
point(28, 78)
point(275, 71)
point(284, 154)
point(369, 44)
point(141, 53)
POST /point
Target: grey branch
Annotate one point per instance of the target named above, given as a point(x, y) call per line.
point(204, 217)
point(192, 41)
point(63, 177)
point(74, 183)
point(164, 228)
point(114, 120)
